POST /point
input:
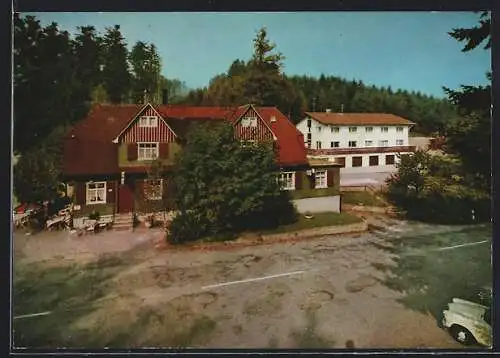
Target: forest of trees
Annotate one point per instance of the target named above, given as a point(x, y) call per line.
point(60, 76)
point(306, 93)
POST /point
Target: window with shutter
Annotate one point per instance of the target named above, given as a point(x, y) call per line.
point(330, 177)
point(132, 151)
point(298, 180)
point(164, 150)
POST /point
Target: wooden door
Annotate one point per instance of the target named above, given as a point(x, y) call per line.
point(125, 198)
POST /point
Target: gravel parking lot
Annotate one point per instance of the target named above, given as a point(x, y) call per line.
point(329, 292)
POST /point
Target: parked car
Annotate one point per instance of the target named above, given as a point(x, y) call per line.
point(468, 322)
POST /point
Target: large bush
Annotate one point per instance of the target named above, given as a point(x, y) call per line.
point(186, 227)
point(228, 187)
point(435, 189)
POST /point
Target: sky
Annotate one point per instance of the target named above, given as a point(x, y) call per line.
point(404, 50)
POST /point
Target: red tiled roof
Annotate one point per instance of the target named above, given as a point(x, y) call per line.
point(87, 157)
point(358, 118)
point(88, 145)
point(89, 148)
point(105, 122)
point(292, 150)
point(192, 112)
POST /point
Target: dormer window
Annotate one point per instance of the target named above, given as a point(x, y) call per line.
point(249, 122)
point(148, 121)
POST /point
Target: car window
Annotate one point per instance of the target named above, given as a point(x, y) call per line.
point(487, 316)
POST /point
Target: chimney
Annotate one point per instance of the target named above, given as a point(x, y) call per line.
point(342, 108)
point(328, 110)
point(164, 96)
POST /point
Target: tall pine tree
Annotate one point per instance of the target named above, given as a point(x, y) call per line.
point(115, 73)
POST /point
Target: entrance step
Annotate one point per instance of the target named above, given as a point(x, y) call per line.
point(123, 221)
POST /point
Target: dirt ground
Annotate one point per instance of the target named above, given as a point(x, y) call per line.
point(318, 293)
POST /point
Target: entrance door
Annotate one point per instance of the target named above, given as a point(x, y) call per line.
point(125, 198)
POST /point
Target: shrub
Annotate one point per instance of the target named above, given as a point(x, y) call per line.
point(186, 227)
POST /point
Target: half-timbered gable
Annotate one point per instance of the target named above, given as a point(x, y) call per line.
point(252, 127)
point(147, 127)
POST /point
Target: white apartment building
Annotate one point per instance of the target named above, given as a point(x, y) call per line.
point(359, 141)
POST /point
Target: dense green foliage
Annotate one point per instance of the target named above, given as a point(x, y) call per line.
point(37, 173)
point(146, 67)
point(435, 189)
point(48, 91)
point(225, 187)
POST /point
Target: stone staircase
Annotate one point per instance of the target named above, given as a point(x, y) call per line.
point(123, 221)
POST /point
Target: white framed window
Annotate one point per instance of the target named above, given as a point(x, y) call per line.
point(287, 180)
point(318, 144)
point(368, 143)
point(399, 129)
point(353, 144)
point(334, 144)
point(96, 192)
point(147, 151)
point(384, 129)
point(148, 121)
point(383, 143)
point(153, 189)
point(320, 179)
point(249, 122)
point(334, 129)
point(319, 128)
point(399, 142)
point(353, 129)
point(368, 129)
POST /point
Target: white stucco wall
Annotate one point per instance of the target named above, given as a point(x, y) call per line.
point(317, 205)
point(323, 133)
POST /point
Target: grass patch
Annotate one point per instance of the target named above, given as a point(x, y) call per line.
point(197, 332)
point(362, 197)
point(157, 328)
point(308, 337)
point(68, 292)
point(319, 220)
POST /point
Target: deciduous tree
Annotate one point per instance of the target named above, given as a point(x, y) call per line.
point(226, 187)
